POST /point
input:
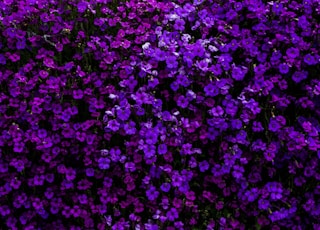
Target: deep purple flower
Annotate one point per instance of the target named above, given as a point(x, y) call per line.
point(90, 172)
point(165, 187)
point(217, 111)
point(78, 94)
point(21, 44)
point(176, 180)
point(263, 204)
point(114, 125)
point(211, 90)
point(151, 227)
point(274, 125)
point(283, 68)
point(172, 214)
point(82, 7)
point(252, 194)
point(203, 166)
point(237, 171)
point(182, 102)
point(151, 136)
point(174, 86)
point(48, 62)
point(236, 124)
point(179, 24)
point(202, 65)
point(115, 154)
point(275, 190)
point(238, 73)
point(171, 62)
point(162, 149)
point(104, 163)
point(39, 180)
point(149, 150)
point(70, 174)
point(152, 193)
point(2, 59)
point(130, 128)
point(293, 52)
point(257, 126)
point(310, 59)
point(19, 165)
point(123, 114)
point(277, 8)
point(42, 133)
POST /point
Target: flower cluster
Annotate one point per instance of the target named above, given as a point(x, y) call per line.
point(146, 114)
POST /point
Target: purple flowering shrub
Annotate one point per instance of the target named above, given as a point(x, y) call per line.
point(146, 114)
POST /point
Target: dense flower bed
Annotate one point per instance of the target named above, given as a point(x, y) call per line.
point(146, 114)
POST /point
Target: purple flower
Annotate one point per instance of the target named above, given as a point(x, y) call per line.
point(115, 154)
point(130, 128)
point(269, 155)
point(68, 66)
point(114, 125)
point(174, 86)
point(176, 180)
point(2, 59)
point(165, 187)
point(70, 174)
point(152, 193)
point(257, 126)
point(149, 150)
point(202, 65)
point(19, 165)
point(78, 94)
point(123, 114)
point(203, 166)
point(172, 62)
point(43, 74)
point(162, 149)
point(21, 44)
point(274, 125)
point(293, 52)
point(160, 55)
point(253, 106)
point(172, 214)
point(82, 6)
point(179, 24)
point(19, 147)
point(238, 73)
point(217, 111)
point(39, 180)
point(275, 190)
point(238, 6)
point(211, 90)
point(151, 227)
point(236, 124)
point(310, 59)
point(182, 102)
point(277, 8)
point(263, 204)
point(151, 136)
point(130, 166)
point(283, 68)
point(42, 133)
point(104, 163)
point(237, 171)
point(48, 62)
point(303, 23)
point(275, 56)
point(252, 194)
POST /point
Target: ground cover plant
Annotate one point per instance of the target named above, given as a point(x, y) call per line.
point(149, 115)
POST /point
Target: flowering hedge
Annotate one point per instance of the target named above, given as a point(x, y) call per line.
point(146, 114)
